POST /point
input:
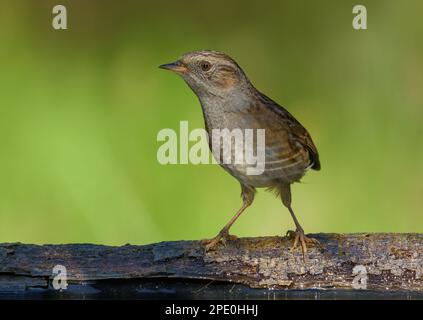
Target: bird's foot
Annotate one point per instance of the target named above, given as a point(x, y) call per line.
point(300, 238)
point(222, 237)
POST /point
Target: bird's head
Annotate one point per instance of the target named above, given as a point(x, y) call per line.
point(209, 73)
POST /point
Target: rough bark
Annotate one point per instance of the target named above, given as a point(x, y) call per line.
point(385, 262)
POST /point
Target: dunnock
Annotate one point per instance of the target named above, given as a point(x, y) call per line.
point(230, 101)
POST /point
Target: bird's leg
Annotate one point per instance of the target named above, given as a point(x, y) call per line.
point(223, 235)
point(298, 234)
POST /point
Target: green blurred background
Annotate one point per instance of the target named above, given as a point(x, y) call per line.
point(80, 110)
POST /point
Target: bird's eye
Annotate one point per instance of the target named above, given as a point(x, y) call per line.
point(205, 66)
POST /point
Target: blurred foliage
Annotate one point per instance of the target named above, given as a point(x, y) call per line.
point(80, 110)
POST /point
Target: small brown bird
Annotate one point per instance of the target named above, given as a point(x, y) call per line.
point(229, 100)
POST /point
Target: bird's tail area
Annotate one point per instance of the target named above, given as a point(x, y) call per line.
point(280, 190)
point(314, 159)
point(275, 190)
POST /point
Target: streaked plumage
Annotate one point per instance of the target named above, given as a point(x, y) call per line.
point(229, 100)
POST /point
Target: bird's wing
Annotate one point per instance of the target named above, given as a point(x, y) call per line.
point(296, 131)
point(302, 135)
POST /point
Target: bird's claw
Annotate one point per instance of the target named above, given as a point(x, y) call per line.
point(222, 237)
point(300, 238)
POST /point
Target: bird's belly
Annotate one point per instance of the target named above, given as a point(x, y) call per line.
point(283, 160)
point(287, 169)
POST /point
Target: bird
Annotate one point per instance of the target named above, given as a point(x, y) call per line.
point(229, 100)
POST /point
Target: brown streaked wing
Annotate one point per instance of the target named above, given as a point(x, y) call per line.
point(282, 125)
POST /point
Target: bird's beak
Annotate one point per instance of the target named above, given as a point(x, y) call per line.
point(176, 66)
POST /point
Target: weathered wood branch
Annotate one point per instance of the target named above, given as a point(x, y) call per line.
point(386, 262)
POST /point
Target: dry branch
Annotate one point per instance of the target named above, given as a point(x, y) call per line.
point(390, 262)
